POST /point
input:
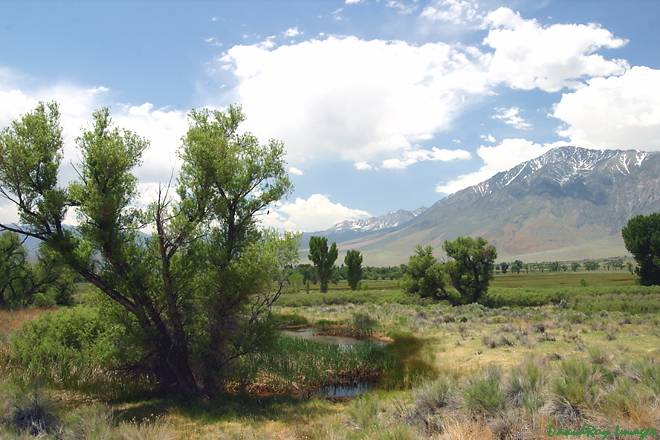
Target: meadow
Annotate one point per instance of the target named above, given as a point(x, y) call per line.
point(544, 350)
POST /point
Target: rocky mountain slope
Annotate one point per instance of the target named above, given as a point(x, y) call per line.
point(569, 203)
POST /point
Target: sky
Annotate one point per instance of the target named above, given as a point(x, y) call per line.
point(381, 104)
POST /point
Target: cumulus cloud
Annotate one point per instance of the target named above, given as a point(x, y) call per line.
point(295, 171)
point(529, 55)
point(352, 2)
point(413, 155)
point(315, 213)
point(615, 112)
point(507, 154)
point(163, 127)
point(511, 116)
point(356, 99)
point(459, 12)
point(363, 166)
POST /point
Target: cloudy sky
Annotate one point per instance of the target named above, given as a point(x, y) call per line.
point(382, 104)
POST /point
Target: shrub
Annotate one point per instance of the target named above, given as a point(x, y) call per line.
point(525, 386)
point(42, 300)
point(483, 395)
point(74, 347)
point(575, 389)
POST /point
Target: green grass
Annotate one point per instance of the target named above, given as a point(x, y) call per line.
point(564, 279)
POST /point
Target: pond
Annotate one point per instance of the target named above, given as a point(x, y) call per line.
point(311, 334)
point(338, 390)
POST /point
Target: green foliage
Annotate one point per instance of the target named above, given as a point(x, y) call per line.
point(471, 266)
point(323, 259)
point(525, 387)
point(77, 347)
point(484, 395)
point(516, 266)
point(197, 292)
point(642, 239)
point(425, 276)
point(577, 385)
point(504, 267)
point(353, 262)
point(44, 283)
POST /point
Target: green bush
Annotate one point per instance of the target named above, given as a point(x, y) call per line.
point(577, 385)
point(484, 395)
point(43, 300)
point(75, 347)
point(525, 386)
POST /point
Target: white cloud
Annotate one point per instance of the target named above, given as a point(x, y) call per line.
point(363, 166)
point(291, 32)
point(213, 41)
point(614, 112)
point(501, 157)
point(356, 99)
point(488, 137)
point(295, 171)
point(352, 2)
point(528, 55)
point(403, 7)
point(336, 14)
point(459, 12)
point(315, 213)
point(511, 116)
point(162, 127)
point(414, 155)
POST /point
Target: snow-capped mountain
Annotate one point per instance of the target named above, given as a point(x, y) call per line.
point(568, 203)
point(387, 221)
point(358, 228)
point(566, 164)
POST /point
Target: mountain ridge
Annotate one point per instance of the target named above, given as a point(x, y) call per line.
point(568, 203)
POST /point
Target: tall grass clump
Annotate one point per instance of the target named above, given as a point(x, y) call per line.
point(575, 389)
point(428, 402)
point(526, 385)
point(484, 395)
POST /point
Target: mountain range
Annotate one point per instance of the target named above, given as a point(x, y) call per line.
point(569, 203)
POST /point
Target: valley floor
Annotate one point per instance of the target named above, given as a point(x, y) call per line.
point(510, 372)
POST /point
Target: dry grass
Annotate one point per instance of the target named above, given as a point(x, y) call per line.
point(12, 320)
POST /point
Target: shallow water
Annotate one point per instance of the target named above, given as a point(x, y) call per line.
point(345, 390)
point(309, 333)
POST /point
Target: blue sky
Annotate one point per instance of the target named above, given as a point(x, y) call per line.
point(382, 104)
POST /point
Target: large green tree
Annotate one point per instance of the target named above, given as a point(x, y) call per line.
point(642, 239)
point(424, 275)
point(196, 291)
point(353, 262)
point(470, 266)
point(323, 258)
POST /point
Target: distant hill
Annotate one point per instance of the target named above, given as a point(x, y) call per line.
point(569, 203)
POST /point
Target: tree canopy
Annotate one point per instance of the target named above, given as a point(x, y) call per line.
point(471, 266)
point(323, 258)
point(197, 289)
point(353, 262)
point(642, 238)
point(425, 276)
